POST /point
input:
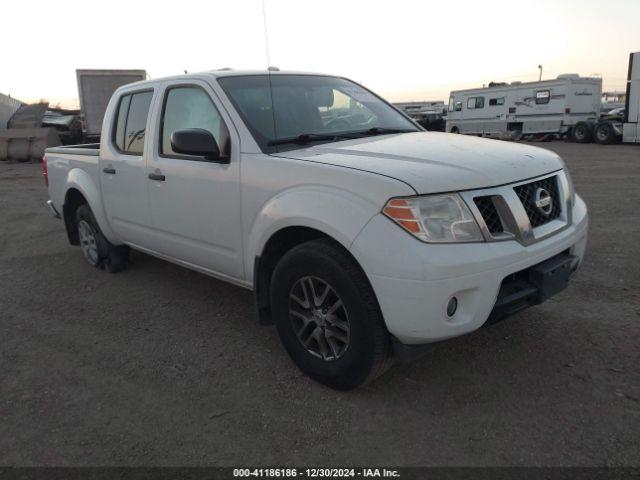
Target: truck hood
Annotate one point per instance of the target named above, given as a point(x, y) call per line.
point(434, 162)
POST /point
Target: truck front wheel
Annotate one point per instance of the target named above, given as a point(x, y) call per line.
point(97, 250)
point(328, 317)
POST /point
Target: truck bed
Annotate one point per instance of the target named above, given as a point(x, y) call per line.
point(82, 149)
point(65, 168)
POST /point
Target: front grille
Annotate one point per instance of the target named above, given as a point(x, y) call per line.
point(489, 214)
point(527, 193)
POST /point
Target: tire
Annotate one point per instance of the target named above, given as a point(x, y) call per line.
point(455, 130)
point(581, 132)
point(97, 250)
point(361, 350)
point(604, 134)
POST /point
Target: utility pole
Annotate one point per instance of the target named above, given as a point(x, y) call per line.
point(540, 68)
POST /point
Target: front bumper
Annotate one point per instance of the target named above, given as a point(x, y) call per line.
point(414, 281)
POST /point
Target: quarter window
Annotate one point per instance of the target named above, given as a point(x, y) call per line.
point(191, 107)
point(475, 102)
point(131, 122)
point(542, 97)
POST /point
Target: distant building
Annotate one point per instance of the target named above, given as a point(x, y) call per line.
point(8, 106)
point(611, 100)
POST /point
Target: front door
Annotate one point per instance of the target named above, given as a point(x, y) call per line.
point(194, 202)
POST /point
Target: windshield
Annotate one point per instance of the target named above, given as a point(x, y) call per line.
point(317, 108)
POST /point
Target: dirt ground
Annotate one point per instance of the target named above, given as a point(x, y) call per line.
point(159, 365)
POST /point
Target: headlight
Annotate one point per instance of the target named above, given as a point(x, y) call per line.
point(572, 192)
point(435, 218)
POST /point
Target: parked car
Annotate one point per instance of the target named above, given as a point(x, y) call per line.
point(430, 120)
point(616, 113)
point(362, 245)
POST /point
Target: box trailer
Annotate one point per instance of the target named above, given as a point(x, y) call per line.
point(569, 104)
point(95, 88)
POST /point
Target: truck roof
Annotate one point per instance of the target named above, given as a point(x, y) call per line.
point(226, 73)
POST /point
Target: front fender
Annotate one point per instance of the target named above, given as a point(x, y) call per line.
point(82, 181)
point(335, 212)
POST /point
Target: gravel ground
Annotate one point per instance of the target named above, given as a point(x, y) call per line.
point(159, 365)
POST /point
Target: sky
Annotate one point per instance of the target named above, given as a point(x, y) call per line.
point(402, 49)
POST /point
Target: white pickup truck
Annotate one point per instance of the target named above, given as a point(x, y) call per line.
point(363, 237)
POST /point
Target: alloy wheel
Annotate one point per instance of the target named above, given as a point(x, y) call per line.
point(88, 242)
point(319, 318)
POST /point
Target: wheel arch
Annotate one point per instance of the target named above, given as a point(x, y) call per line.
point(281, 242)
point(73, 200)
point(80, 189)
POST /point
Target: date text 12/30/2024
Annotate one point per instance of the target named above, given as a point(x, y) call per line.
point(316, 473)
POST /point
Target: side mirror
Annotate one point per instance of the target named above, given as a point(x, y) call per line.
point(195, 141)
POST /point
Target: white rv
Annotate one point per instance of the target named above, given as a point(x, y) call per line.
point(567, 104)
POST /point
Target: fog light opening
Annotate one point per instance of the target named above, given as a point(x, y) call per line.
point(452, 306)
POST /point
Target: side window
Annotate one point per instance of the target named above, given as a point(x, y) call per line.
point(121, 122)
point(475, 102)
point(543, 97)
point(131, 122)
point(137, 122)
point(458, 107)
point(496, 101)
point(191, 107)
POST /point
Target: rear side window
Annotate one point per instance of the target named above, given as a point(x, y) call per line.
point(191, 107)
point(121, 123)
point(131, 123)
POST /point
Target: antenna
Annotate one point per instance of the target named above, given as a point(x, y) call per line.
point(266, 34)
point(269, 69)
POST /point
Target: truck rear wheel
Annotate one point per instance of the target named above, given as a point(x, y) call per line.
point(328, 317)
point(581, 132)
point(604, 134)
point(97, 250)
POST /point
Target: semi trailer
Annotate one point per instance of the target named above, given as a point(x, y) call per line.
point(623, 127)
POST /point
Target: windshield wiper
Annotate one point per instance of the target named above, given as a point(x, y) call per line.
point(305, 138)
point(383, 131)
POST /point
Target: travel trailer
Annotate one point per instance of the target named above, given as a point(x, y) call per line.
point(569, 104)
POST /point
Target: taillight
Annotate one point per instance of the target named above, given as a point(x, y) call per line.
point(44, 171)
point(567, 110)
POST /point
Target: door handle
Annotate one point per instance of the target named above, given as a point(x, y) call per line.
point(156, 176)
point(111, 171)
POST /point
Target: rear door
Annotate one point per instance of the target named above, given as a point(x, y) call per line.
point(122, 168)
point(194, 202)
